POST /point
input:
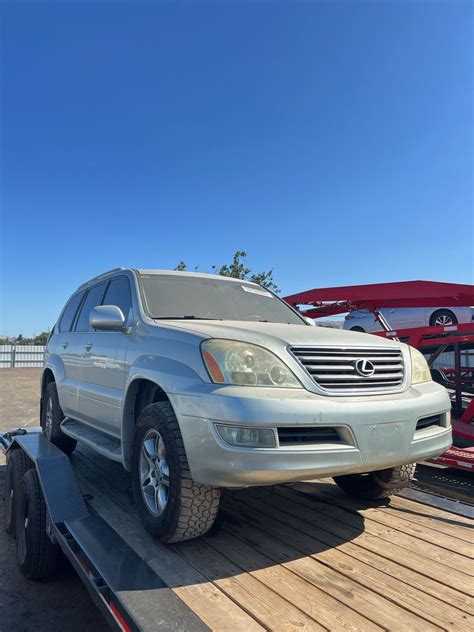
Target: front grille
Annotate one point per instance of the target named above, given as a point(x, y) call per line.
point(307, 436)
point(426, 422)
point(335, 368)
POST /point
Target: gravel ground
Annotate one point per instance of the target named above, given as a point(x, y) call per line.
point(61, 603)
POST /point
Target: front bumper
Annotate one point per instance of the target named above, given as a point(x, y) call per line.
point(378, 431)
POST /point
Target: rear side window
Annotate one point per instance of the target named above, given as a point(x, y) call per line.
point(118, 293)
point(93, 298)
point(70, 311)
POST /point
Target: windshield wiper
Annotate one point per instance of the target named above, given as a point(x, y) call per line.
point(187, 317)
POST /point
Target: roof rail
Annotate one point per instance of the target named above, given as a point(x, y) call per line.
point(99, 276)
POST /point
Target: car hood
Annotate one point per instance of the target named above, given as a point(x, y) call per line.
point(274, 334)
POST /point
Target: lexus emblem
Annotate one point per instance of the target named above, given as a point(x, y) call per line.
point(364, 367)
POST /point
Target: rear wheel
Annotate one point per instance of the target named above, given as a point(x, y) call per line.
point(443, 317)
point(51, 419)
point(37, 556)
point(171, 505)
point(379, 484)
point(17, 466)
point(357, 328)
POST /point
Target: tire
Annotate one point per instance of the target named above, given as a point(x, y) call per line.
point(174, 508)
point(357, 328)
point(51, 419)
point(444, 317)
point(37, 556)
point(17, 466)
point(380, 484)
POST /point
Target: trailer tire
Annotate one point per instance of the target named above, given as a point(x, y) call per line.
point(37, 556)
point(51, 418)
point(379, 484)
point(17, 466)
point(171, 505)
point(445, 316)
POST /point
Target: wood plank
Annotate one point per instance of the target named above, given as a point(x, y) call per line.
point(395, 521)
point(319, 524)
point(455, 529)
point(457, 567)
point(327, 487)
point(255, 597)
point(320, 605)
point(266, 528)
point(208, 602)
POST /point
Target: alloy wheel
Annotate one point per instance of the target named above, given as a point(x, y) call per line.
point(48, 418)
point(443, 319)
point(154, 472)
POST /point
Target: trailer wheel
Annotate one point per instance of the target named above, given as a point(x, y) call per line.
point(37, 556)
point(379, 484)
point(171, 505)
point(443, 317)
point(17, 466)
point(51, 419)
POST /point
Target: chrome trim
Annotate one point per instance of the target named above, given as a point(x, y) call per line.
point(354, 351)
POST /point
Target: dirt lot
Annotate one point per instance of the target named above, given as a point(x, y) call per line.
point(25, 606)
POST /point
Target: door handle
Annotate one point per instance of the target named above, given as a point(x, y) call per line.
point(65, 345)
point(89, 346)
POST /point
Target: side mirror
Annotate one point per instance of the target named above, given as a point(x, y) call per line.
point(310, 321)
point(107, 318)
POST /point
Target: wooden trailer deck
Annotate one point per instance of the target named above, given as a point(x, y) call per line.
point(304, 557)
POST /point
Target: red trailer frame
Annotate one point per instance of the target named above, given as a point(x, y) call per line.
point(338, 300)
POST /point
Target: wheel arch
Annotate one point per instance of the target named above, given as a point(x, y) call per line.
point(440, 310)
point(141, 392)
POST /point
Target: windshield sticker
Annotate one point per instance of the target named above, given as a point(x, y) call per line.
point(255, 290)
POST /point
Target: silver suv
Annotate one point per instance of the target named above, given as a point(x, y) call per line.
point(194, 382)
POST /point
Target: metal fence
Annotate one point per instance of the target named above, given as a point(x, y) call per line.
point(24, 356)
point(21, 356)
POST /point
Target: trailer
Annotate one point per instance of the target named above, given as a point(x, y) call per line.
point(431, 341)
point(281, 558)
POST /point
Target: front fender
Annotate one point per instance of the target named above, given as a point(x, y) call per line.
point(171, 376)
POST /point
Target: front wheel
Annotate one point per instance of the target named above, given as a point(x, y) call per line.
point(171, 505)
point(379, 484)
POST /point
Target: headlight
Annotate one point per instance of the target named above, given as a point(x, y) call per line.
point(232, 362)
point(420, 371)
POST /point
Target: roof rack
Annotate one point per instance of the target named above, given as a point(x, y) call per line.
point(100, 276)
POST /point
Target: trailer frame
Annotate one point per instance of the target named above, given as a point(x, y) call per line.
point(127, 591)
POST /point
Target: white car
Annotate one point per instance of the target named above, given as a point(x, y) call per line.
point(406, 317)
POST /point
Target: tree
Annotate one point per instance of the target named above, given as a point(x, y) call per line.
point(41, 339)
point(238, 270)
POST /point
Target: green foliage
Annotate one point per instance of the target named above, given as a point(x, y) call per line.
point(40, 339)
point(238, 270)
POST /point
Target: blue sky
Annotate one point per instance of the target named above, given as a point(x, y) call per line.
point(330, 140)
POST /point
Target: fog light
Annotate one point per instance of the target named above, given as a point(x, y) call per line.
point(247, 437)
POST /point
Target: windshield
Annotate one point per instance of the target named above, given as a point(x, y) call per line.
point(176, 296)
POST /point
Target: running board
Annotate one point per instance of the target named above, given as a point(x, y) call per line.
point(103, 444)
